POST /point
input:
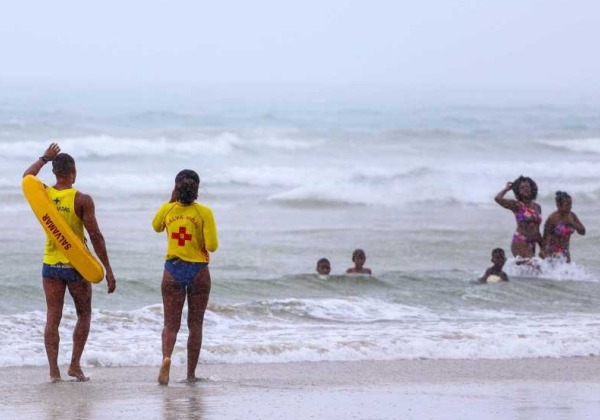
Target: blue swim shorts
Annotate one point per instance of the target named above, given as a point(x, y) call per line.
point(63, 272)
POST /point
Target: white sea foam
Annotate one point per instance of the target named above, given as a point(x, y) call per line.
point(317, 169)
point(589, 145)
point(206, 143)
point(350, 310)
point(331, 330)
point(551, 268)
point(108, 146)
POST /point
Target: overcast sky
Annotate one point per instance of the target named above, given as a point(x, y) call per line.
point(396, 43)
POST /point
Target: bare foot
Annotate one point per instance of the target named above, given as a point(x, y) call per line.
point(163, 374)
point(55, 375)
point(193, 380)
point(77, 373)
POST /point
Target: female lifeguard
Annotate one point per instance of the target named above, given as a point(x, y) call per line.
point(191, 235)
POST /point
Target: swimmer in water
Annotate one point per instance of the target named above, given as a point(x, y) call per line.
point(323, 267)
point(359, 258)
point(528, 215)
point(559, 227)
point(495, 272)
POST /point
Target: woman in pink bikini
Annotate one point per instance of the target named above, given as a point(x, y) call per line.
point(559, 227)
point(528, 215)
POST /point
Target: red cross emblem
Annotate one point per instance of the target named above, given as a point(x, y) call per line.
point(181, 236)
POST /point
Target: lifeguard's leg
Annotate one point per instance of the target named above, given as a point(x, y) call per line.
point(173, 299)
point(82, 297)
point(54, 290)
point(198, 294)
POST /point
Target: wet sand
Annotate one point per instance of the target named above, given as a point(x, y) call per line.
point(421, 389)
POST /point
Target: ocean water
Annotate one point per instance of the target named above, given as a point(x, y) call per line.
point(412, 186)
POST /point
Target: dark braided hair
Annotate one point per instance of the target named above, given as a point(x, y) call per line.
point(517, 182)
point(63, 164)
point(186, 186)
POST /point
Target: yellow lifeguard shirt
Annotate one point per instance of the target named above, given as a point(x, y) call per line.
point(64, 201)
point(191, 231)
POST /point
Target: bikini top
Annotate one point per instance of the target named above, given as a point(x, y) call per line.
point(563, 229)
point(525, 214)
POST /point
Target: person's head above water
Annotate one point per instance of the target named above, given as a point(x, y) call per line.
point(359, 256)
point(498, 257)
point(524, 188)
point(187, 183)
point(323, 266)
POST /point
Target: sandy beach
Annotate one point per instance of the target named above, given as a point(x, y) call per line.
point(423, 389)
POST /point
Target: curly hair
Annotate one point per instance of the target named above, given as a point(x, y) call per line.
point(517, 183)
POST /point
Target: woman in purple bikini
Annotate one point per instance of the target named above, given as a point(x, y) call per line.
point(559, 227)
point(528, 215)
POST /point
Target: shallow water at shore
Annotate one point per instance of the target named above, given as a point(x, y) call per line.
point(423, 389)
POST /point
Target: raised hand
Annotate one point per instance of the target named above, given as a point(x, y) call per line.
point(52, 151)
